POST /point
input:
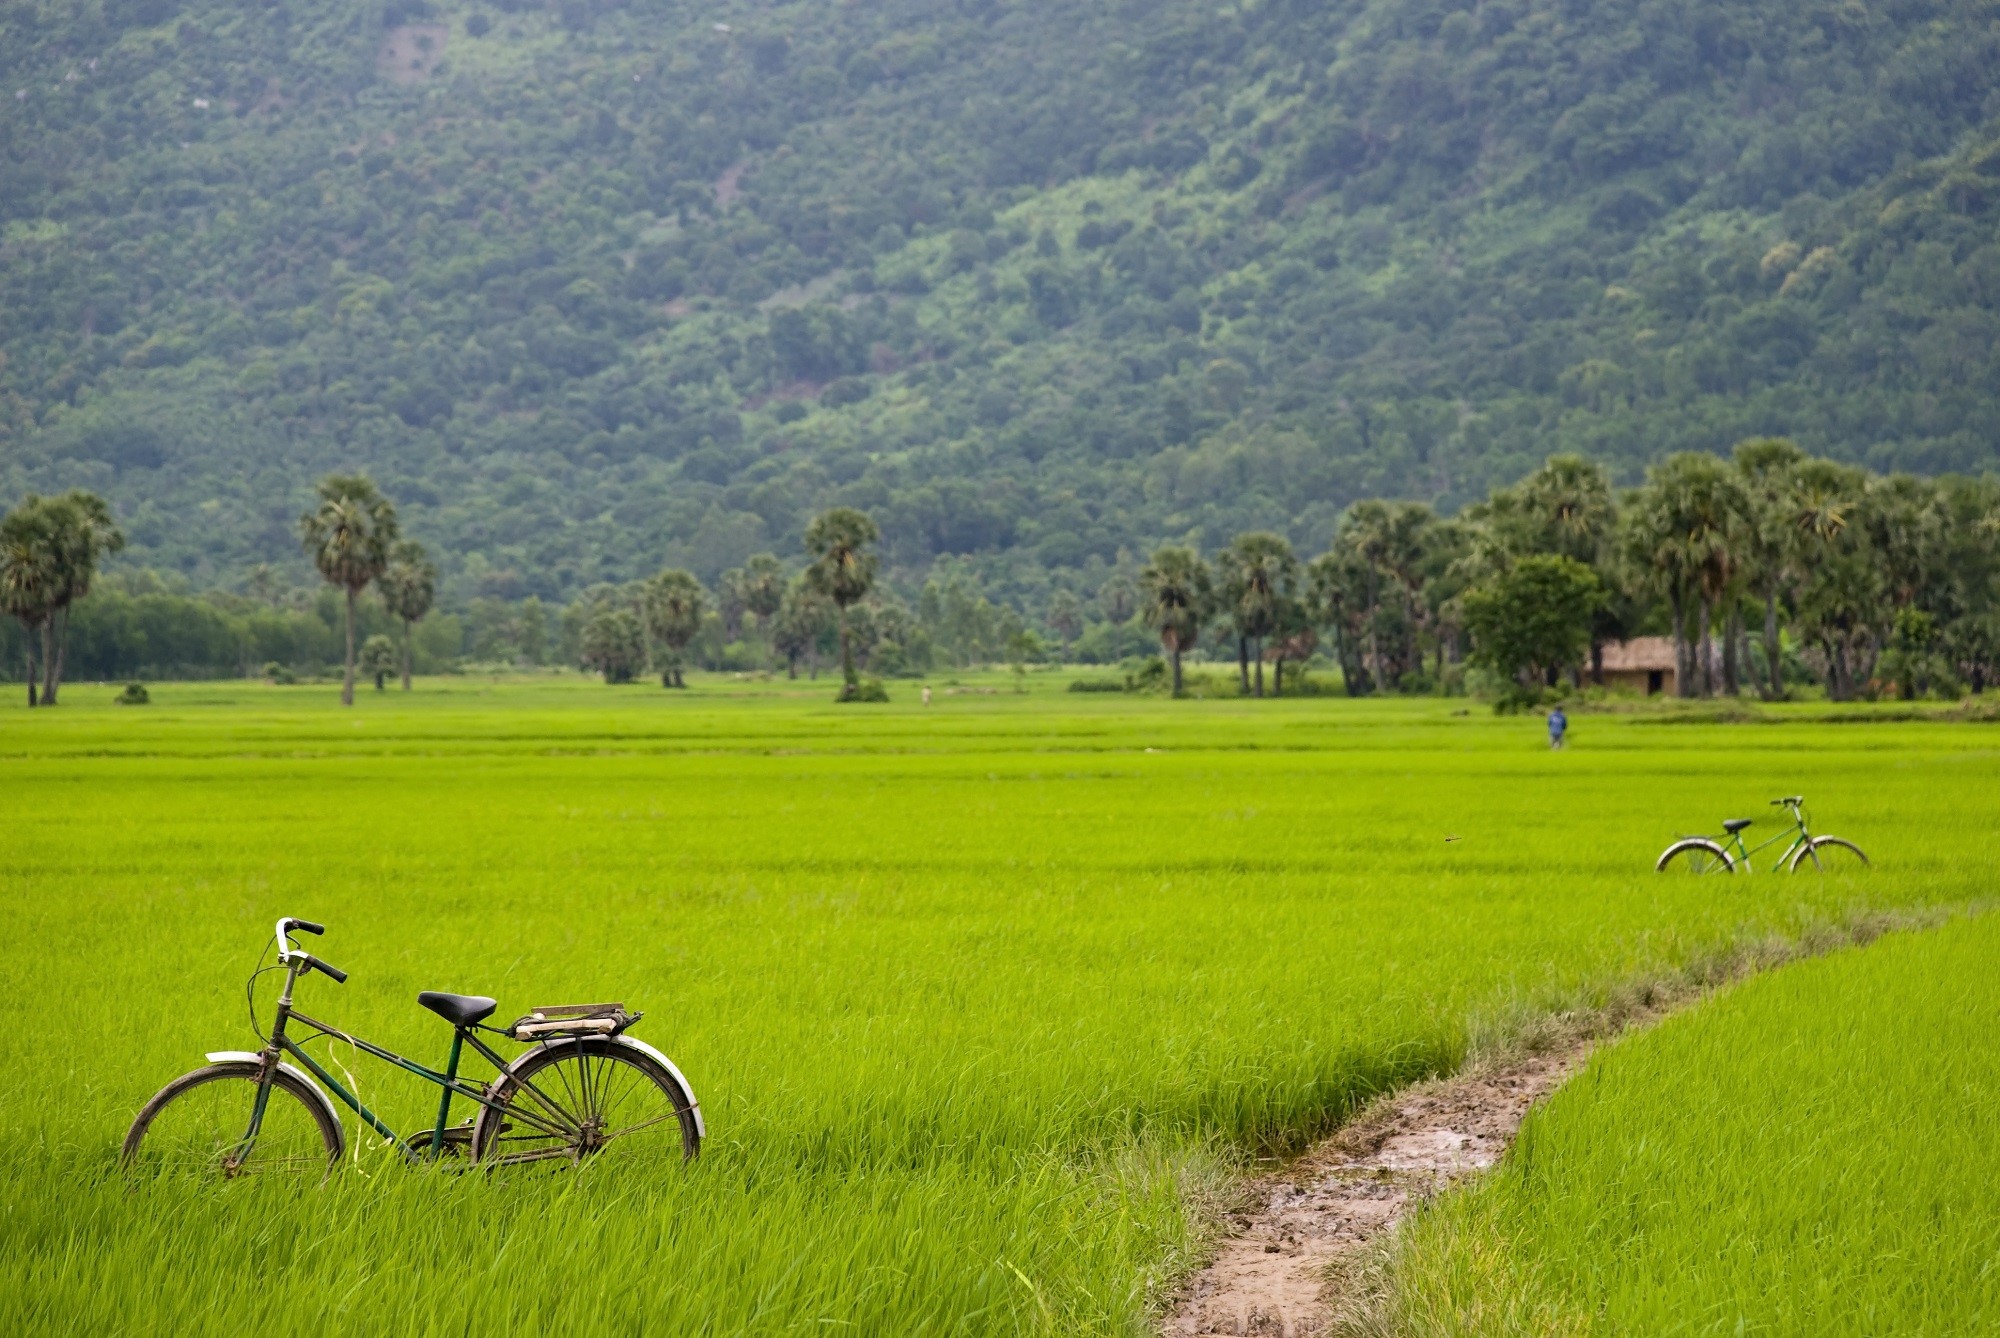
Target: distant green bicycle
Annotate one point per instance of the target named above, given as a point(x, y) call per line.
point(1706, 854)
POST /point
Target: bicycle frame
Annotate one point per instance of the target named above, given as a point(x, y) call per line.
point(281, 1044)
point(1798, 834)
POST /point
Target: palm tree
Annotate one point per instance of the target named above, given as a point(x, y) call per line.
point(1685, 531)
point(1569, 501)
point(1178, 591)
point(799, 624)
point(78, 532)
point(843, 570)
point(1769, 466)
point(1257, 574)
point(762, 589)
point(408, 585)
point(348, 536)
point(674, 602)
point(27, 577)
point(1339, 586)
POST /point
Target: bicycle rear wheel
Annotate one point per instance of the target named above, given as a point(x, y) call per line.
point(586, 1098)
point(196, 1123)
point(1829, 854)
point(1697, 855)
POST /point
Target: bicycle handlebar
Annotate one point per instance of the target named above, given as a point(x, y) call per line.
point(1789, 801)
point(324, 968)
point(286, 952)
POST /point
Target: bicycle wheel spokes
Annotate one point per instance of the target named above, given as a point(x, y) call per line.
point(202, 1128)
point(573, 1101)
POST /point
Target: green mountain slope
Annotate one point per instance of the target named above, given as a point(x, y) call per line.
point(592, 286)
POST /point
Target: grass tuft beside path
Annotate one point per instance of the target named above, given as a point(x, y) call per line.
point(977, 997)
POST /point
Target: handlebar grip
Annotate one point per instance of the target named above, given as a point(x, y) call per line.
point(325, 968)
point(309, 926)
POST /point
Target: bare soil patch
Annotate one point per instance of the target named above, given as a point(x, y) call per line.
point(1279, 1274)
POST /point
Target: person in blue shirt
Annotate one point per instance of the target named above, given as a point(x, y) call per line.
point(1558, 725)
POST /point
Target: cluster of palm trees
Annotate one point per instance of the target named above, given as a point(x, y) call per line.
point(353, 538)
point(625, 628)
point(1888, 581)
point(49, 551)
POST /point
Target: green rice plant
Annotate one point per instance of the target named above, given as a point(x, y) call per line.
point(982, 999)
point(1817, 1151)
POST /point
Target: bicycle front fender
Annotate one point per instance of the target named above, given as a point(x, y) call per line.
point(252, 1057)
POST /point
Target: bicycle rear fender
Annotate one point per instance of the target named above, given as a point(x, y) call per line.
point(252, 1057)
point(632, 1043)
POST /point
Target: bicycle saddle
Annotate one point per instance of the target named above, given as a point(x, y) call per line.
point(461, 1010)
point(1732, 826)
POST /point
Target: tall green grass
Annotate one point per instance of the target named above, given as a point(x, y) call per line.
point(978, 998)
point(1816, 1152)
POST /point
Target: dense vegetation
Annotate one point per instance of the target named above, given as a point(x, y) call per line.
point(980, 998)
point(1812, 1153)
point(597, 286)
point(1767, 571)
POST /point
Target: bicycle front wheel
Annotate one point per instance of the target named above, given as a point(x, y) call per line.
point(586, 1098)
point(1694, 856)
point(198, 1123)
point(1829, 854)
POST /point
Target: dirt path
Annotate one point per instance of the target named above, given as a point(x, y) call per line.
point(1275, 1275)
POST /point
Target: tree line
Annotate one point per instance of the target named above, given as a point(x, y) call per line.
point(1766, 569)
point(51, 547)
point(1749, 564)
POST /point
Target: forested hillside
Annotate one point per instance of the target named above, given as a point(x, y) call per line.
point(591, 286)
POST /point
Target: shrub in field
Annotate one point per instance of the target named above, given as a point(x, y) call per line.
point(378, 659)
point(135, 694)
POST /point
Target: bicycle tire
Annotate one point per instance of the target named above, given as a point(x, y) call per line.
point(195, 1123)
point(592, 1079)
point(1695, 855)
point(1815, 853)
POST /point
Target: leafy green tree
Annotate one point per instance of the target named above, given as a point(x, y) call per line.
point(1065, 617)
point(1117, 599)
point(1179, 591)
point(843, 569)
point(674, 602)
point(614, 644)
point(532, 631)
point(378, 658)
point(348, 535)
point(28, 577)
point(803, 623)
point(408, 585)
point(1533, 620)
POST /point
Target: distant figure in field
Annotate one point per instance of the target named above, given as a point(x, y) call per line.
point(1558, 725)
point(927, 694)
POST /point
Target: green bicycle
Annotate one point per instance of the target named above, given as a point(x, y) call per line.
point(582, 1089)
point(1707, 854)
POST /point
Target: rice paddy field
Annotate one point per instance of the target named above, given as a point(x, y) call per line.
point(985, 1001)
point(1816, 1151)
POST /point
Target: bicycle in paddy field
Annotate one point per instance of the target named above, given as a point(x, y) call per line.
point(584, 1089)
point(1727, 854)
